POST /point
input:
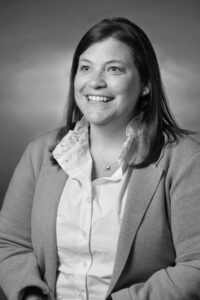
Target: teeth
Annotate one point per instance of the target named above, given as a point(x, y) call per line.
point(98, 98)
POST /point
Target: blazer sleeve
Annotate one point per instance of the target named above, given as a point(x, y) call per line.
point(181, 281)
point(18, 264)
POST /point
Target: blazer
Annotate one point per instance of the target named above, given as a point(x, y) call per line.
point(158, 252)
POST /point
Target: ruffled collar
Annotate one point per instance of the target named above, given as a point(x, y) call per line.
point(78, 140)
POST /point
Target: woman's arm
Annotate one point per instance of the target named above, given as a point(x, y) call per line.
point(18, 264)
point(181, 282)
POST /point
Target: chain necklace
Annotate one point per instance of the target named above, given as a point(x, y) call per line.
point(107, 167)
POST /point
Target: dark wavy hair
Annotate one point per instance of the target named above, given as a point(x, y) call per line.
point(159, 124)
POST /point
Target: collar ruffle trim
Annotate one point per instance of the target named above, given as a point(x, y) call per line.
point(79, 136)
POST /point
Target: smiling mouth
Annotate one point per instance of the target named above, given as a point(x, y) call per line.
point(99, 99)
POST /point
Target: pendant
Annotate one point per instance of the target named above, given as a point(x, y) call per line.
point(107, 168)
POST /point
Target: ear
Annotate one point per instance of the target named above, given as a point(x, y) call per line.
point(146, 90)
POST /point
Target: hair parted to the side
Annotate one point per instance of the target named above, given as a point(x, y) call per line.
point(159, 124)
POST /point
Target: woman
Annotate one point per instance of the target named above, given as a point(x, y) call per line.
point(112, 210)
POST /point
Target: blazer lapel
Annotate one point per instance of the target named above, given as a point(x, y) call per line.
point(142, 186)
point(49, 189)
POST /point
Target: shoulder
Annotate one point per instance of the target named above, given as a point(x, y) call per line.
point(174, 155)
point(37, 152)
point(43, 142)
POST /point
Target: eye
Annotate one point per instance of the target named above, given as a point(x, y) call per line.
point(84, 68)
point(116, 69)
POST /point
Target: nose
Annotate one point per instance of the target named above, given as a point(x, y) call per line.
point(98, 81)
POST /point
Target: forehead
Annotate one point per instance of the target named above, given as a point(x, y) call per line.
point(108, 49)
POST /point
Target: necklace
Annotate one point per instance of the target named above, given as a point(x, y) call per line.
point(107, 167)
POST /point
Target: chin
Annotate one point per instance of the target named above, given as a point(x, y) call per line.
point(98, 119)
point(100, 122)
point(97, 122)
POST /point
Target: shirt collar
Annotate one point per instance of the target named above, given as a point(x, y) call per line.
point(76, 141)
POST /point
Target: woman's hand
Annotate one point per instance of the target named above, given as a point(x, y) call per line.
point(33, 293)
point(33, 297)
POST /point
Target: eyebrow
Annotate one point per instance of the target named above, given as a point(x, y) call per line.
point(108, 62)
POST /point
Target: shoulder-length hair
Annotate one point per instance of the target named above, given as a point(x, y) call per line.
point(158, 122)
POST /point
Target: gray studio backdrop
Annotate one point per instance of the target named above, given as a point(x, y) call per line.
point(37, 41)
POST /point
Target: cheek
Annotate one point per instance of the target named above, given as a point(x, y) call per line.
point(126, 89)
point(127, 84)
point(129, 93)
point(78, 84)
point(133, 85)
point(78, 92)
point(134, 88)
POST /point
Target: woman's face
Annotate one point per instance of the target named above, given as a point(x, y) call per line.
point(107, 83)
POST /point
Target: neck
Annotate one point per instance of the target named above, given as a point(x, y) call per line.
point(105, 137)
point(105, 147)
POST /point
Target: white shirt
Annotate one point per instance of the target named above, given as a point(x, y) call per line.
point(88, 219)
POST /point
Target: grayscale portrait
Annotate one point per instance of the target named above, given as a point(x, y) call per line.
point(100, 150)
